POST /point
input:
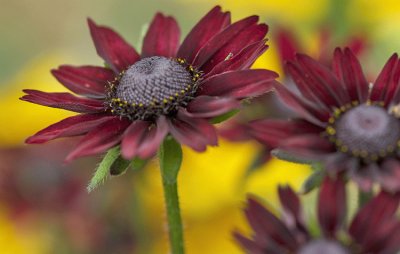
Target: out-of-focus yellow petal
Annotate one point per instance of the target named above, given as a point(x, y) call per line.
point(15, 240)
point(20, 119)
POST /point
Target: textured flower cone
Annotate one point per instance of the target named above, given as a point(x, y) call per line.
point(347, 123)
point(170, 88)
point(374, 228)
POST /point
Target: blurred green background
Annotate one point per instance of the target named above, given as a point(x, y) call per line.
point(44, 207)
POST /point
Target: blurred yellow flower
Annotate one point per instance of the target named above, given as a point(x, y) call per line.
point(15, 240)
point(21, 119)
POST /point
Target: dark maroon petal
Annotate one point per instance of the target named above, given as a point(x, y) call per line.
point(287, 45)
point(229, 44)
point(208, 106)
point(389, 175)
point(385, 237)
point(290, 201)
point(211, 24)
point(322, 81)
point(381, 208)
point(349, 72)
point(272, 131)
point(112, 47)
point(162, 38)
point(84, 80)
point(239, 84)
point(132, 138)
point(194, 132)
point(243, 60)
point(100, 139)
point(71, 126)
point(312, 146)
point(332, 206)
point(63, 100)
point(142, 139)
point(305, 110)
point(387, 82)
point(234, 131)
point(249, 245)
point(267, 226)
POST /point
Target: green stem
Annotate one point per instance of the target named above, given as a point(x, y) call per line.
point(170, 163)
point(364, 197)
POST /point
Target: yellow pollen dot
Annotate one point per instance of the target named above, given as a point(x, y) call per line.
point(337, 112)
point(112, 110)
point(165, 101)
point(344, 149)
point(374, 157)
point(364, 153)
point(176, 94)
point(331, 120)
point(369, 102)
point(354, 103)
point(120, 104)
point(141, 105)
point(330, 130)
point(342, 108)
point(171, 98)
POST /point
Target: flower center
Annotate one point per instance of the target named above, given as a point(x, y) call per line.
point(153, 86)
point(366, 131)
point(323, 246)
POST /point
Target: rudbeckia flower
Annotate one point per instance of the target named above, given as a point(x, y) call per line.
point(170, 88)
point(347, 123)
point(374, 228)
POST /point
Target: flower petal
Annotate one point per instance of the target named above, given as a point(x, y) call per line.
point(230, 42)
point(305, 110)
point(349, 72)
point(272, 132)
point(226, 45)
point(208, 106)
point(71, 126)
point(63, 100)
point(211, 24)
point(239, 84)
point(248, 245)
point(268, 226)
point(311, 146)
point(243, 60)
point(162, 38)
point(142, 139)
point(287, 45)
point(332, 206)
point(194, 132)
point(89, 81)
point(380, 209)
point(100, 139)
point(112, 47)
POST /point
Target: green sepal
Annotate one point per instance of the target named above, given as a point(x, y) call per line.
point(314, 180)
point(103, 169)
point(119, 166)
point(170, 155)
point(224, 117)
point(282, 155)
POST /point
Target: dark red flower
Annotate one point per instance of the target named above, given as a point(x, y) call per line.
point(374, 228)
point(344, 121)
point(170, 88)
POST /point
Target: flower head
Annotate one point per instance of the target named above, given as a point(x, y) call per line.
point(347, 123)
point(374, 228)
point(170, 88)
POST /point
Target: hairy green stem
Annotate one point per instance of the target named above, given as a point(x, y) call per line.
point(170, 163)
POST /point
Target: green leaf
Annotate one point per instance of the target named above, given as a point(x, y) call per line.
point(282, 155)
point(103, 169)
point(313, 181)
point(170, 154)
point(224, 117)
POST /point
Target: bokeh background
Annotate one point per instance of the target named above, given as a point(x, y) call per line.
point(44, 206)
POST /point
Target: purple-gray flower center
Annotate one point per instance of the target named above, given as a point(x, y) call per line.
point(368, 131)
point(323, 247)
point(153, 86)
